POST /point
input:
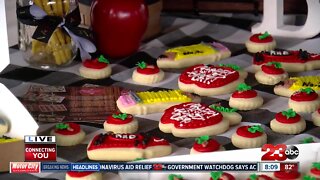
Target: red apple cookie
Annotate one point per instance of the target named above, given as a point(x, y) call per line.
point(97, 68)
point(287, 175)
point(315, 170)
point(209, 80)
point(260, 42)
point(192, 120)
point(126, 147)
point(121, 123)
point(147, 74)
point(288, 122)
point(221, 176)
point(271, 74)
point(259, 177)
point(204, 144)
point(305, 100)
point(85, 175)
point(249, 137)
point(245, 98)
point(68, 134)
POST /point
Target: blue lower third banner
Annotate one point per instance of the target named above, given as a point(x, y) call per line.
point(110, 167)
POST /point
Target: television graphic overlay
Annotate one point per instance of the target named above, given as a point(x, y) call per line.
point(279, 152)
point(40, 148)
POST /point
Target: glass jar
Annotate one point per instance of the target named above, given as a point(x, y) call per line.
point(60, 49)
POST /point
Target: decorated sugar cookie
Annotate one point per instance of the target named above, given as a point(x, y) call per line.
point(259, 177)
point(292, 61)
point(68, 134)
point(305, 101)
point(147, 102)
point(121, 123)
point(147, 74)
point(249, 137)
point(98, 68)
point(4, 127)
point(219, 175)
point(288, 122)
point(307, 140)
point(315, 170)
point(84, 175)
point(186, 56)
point(192, 120)
point(204, 144)
point(209, 80)
point(316, 117)
point(230, 114)
point(271, 74)
point(175, 177)
point(126, 147)
point(243, 74)
point(245, 98)
point(293, 84)
point(260, 42)
point(287, 175)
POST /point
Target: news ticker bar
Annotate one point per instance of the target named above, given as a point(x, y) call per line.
point(37, 167)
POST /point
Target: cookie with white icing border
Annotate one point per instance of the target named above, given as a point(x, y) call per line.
point(97, 68)
point(126, 147)
point(305, 101)
point(204, 144)
point(249, 137)
point(259, 177)
point(287, 175)
point(148, 102)
point(85, 175)
point(219, 175)
point(68, 134)
point(260, 42)
point(316, 117)
point(147, 74)
point(315, 170)
point(121, 123)
point(288, 122)
point(245, 98)
point(192, 120)
point(230, 114)
point(271, 74)
point(209, 80)
point(186, 56)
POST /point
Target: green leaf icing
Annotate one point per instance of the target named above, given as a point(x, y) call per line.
point(255, 128)
point(243, 87)
point(253, 177)
point(264, 35)
point(316, 165)
point(309, 178)
point(142, 65)
point(62, 126)
point(232, 66)
point(290, 113)
point(223, 109)
point(307, 140)
point(307, 90)
point(120, 116)
point(216, 175)
point(276, 64)
point(102, 59)
point(202, 139)
point(173, 176)
point(139, 159)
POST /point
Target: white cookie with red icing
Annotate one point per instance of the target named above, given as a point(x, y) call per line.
point(147, 74)
point(204, 144)
point(305, 101)
point(192, 120)
point(249, 137)
point(271, 74)
point(126, 147)
point(315, 170)
point(288, 122)
point(74, 175)
point(316, 117)
point(68, 134)
point(221, 176)
point(97, 68)
point(260, 42)
point(287, 175)
point(209, 80)
point(245, 98)
point(121, 123)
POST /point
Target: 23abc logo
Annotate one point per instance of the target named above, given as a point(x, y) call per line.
point(279, 152)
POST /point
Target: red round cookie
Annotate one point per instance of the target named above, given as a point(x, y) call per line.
point(226, 175)
point(94, 64)
point(255, 38)
point(245, 94)
point(150, 69)
point(287, 175)
point(283, 119)
point(71, 130)
point(315, 171)
point(77, 174)
point(303, 96)
point(191, 116)
point(114, 120)
point(209, 76)
point(244, 132)
point(211, 146)
point(272, 69)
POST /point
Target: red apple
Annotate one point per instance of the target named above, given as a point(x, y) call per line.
point(118, 26)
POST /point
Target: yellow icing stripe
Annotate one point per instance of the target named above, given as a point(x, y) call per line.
point(192, 50)
point(149, 97)
point(304, 82)
point(3, 140)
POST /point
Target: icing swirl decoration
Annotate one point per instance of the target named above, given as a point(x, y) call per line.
point(62, 126)
point(122, 116)
point(232, 66)
point(290, 113)
point(223, 109)
point(243, 87)
point(202, 139)
point(102, 59)
point(255, 128)
point(264, 35)
point(309, 178)
point(142, 65)
point(216, 175)
point(307, 90)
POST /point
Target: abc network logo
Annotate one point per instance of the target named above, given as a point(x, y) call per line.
point(279, 152)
